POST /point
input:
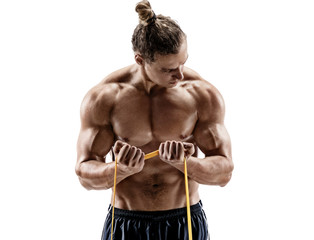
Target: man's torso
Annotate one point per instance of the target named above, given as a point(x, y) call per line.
point(145, 120)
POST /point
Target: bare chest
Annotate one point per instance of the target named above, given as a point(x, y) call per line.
point(139, 118)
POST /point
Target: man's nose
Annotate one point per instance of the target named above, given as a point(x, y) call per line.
point(179, 73)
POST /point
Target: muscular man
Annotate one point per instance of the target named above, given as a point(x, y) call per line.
point(156, 103)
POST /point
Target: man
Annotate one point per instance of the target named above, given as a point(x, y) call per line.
point(153, 104)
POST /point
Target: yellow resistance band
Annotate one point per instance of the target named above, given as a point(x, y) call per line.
point(147, 156)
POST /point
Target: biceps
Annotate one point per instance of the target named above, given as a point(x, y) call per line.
point(94, 143)
point(213, 139)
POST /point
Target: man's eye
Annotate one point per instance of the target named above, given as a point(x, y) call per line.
point(168, 70)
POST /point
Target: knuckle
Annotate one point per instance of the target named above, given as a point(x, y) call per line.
point(162, 147)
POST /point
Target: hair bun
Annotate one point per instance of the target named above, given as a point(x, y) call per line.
point(145, 12)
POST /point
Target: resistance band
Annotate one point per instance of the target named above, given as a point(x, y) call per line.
point(148, 156)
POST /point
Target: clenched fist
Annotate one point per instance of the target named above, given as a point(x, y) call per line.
point(173, 152)
point(129, 158)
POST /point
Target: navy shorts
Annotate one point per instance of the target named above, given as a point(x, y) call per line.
point(156, 225)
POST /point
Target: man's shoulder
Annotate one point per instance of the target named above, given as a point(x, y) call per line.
point(100, 99)
point(123, 75)
point(102, 93)
point(202, 88)
point(98, 103)
point(109, 87)
point(207, 96)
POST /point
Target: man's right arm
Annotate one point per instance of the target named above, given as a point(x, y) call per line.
point(95, 140)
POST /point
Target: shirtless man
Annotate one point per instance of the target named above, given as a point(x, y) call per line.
point(156, 103)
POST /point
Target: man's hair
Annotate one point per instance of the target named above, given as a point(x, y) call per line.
point(155, 34)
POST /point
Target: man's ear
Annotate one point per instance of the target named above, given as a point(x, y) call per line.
point(139, 59)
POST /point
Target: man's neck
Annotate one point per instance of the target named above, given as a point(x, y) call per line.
point(146, 83)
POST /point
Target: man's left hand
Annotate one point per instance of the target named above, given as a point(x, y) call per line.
point(173, 152)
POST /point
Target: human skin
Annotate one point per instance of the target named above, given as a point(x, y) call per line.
point(145, 107)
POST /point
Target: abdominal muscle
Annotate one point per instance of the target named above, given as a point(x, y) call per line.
point(159, 186)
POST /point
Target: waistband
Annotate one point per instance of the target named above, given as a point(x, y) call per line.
point(156, 215)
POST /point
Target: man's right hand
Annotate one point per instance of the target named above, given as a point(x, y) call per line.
point(129, 158)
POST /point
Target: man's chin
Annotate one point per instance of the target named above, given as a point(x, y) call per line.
point(173, 83)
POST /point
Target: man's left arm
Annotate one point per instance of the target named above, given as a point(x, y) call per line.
point(213, 140)
point(217, 166)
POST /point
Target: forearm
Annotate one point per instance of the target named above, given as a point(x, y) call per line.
point(99, 175)
point(213, 170)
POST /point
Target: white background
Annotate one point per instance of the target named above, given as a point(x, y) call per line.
point(259, 54)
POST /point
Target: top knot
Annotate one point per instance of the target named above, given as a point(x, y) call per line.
point(145, 13)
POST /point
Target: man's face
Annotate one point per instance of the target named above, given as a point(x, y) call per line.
point(167, 70)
